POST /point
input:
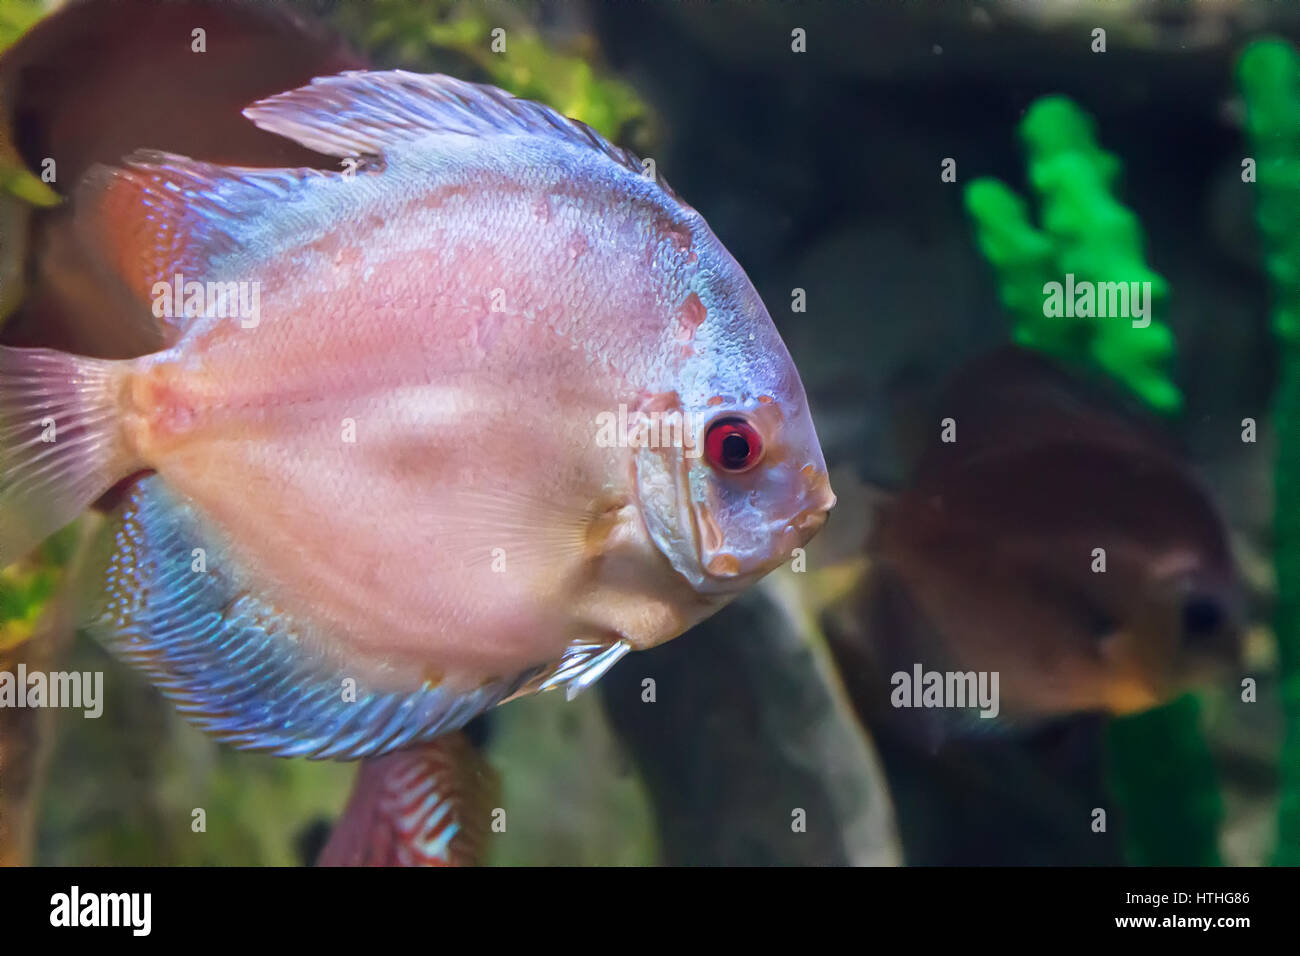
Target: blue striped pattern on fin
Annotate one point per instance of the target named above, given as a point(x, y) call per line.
point(235, 665)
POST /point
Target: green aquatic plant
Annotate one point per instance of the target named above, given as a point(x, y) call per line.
point(16, 16)
point(1086, 236)
point(1162, 775)
point(1171, 806)
point(27, 586)
point(558, 71)
point(1269, 75)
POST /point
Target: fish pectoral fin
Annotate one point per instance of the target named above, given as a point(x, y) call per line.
point(499, 524)
point(162, 594)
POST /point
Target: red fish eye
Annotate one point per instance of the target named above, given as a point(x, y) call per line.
point(733, 444)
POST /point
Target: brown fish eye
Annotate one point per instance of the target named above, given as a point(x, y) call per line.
point(733, 445)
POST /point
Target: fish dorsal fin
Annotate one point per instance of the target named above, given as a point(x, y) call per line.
point(159, 216)
point(363, 113)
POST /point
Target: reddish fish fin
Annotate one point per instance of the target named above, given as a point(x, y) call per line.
point(427, 806)
point(369, 113)
point(160, 215)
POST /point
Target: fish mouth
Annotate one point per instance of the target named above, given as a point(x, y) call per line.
point(803, 527)
point(728, 571)
point(811, 520)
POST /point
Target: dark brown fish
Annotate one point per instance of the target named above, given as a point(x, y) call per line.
point(1057, 543)
point(100, 79)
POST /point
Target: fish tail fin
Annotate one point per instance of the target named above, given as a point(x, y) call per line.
point(60, 442)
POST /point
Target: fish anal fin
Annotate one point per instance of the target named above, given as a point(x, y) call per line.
point(427, 805)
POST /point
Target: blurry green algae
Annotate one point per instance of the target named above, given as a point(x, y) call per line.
point(1162, 775)
point(504, 43)
point(1269, 75)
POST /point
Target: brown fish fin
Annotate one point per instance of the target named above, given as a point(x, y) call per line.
point(95, 79)
point(869, 636)
point(892, 637)
point(368, 113)
point(160, 216)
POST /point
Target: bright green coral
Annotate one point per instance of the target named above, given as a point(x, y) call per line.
point(1085, 232)
point(1269, 74)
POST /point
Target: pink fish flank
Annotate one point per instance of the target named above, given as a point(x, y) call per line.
point(470, 417)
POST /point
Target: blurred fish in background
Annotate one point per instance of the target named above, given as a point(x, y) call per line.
point(89, 85)
point(1047, 538)
point(1050, 536)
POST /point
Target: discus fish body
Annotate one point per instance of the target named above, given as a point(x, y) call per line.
point(384, 466)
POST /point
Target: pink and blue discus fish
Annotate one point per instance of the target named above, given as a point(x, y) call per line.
point(377, 482)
